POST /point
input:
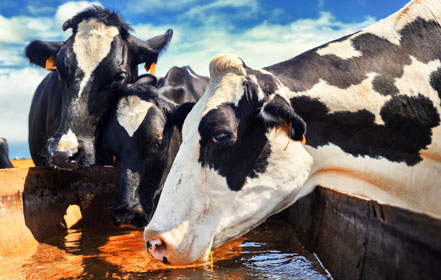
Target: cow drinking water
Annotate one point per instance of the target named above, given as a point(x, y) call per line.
point(71, 103)
point(144, 134)
point(371, 102)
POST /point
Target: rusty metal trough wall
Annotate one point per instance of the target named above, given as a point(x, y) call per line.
point(34, 204)
point(357, 238)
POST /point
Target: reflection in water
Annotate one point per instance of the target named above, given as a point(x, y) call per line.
point(269, 252)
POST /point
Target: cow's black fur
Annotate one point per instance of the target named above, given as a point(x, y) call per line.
point(149, 153)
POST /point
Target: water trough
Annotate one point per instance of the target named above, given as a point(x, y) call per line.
point(355, 238)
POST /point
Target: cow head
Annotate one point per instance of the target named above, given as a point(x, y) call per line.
point(241, 160)
point(145, 133)
point(100, 57)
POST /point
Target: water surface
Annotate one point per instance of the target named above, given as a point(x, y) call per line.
point(270, 251)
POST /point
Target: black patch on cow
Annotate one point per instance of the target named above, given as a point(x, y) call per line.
point(435, 81)
point(408, 123)
point(384, 86)
point(419, 39)
point(109, 18)
point(245, 154)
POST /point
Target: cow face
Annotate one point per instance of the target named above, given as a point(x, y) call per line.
point(144, 135)
point(98, 59)
point(237, 164)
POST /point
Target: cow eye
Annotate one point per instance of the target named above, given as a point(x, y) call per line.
point(158, 143)
point(119, 79)
point(220, 138)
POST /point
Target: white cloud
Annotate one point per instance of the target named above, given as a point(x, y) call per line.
point(12, 30)
point(36, 10)
point(11, 56)
point(17, 88)
point(201, 10)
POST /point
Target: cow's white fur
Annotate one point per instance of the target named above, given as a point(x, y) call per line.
point(92, 44)
point(68, 142)
point(419, 73)
point(208, 213)
point(343, 49)
point(377, 178)
point(354, 98)
point(131, 111)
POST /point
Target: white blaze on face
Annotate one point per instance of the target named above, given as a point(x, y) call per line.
point(197, 209)
point(131, 111)
point(91, 45)
point(68, 142)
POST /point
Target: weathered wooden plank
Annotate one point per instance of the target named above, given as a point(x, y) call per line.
point(356, 238)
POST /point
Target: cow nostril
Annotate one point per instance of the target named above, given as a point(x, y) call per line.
point(158, 249)
point(160, 245)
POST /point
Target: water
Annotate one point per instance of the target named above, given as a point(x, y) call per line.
point(271, 251)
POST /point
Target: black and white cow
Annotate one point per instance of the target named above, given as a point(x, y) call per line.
point(144, 134)
point(4, 154)
point(69, 105)
point(371, 101)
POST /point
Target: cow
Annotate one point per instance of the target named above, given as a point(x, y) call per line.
point(371, 103)
point(4, 154)
point(73, 101)
point(144, 133)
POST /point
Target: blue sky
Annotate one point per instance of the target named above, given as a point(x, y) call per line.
point(261, 32)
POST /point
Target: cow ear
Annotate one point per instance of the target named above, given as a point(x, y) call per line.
point(39, 52)
point(180, 113)
point(148, 51)
point(147, 79)
point(278, 112)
